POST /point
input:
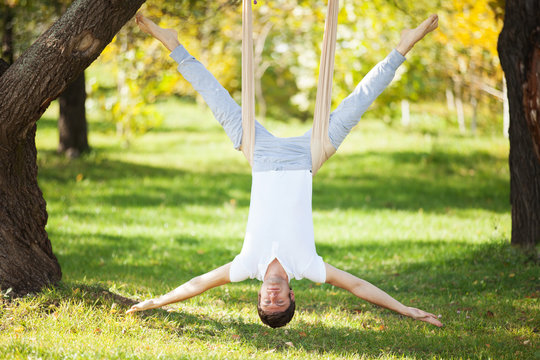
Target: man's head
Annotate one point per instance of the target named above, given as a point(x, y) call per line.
point(276, 303)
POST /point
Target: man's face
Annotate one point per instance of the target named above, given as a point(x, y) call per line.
point(275, 295)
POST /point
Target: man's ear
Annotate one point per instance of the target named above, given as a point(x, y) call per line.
point(291, 294)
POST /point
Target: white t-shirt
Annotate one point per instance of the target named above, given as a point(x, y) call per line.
point(280, 225)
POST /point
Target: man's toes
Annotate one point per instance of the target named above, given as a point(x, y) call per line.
point(434, 20)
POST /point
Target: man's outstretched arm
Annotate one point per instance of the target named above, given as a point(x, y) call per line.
point(193, 287)
point(365, 290)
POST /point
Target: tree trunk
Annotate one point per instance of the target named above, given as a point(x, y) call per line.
point(519, 52)
point(474, 118)
point(506, 110)
point(460, 115)
point(26, 258)
point(405, 113)
point(72, 127)
point(37, 77)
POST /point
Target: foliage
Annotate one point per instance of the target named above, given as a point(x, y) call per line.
point(142, 72)
point(402, 209)
point(471, 44)
point(460, 56)
point(31, 18)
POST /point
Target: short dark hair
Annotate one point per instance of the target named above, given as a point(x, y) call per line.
point(276, 319)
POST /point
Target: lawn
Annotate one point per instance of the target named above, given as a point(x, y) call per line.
point(423, 213)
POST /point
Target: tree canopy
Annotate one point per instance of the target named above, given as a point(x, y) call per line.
point(461, 56)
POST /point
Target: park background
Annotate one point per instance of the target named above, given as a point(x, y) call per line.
point(416, 200)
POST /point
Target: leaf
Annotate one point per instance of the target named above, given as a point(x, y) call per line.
point(489, 313)
point(236, 337)
point(303, 334)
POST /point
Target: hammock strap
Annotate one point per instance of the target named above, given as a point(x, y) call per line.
point(248, 84)
point(321, 147)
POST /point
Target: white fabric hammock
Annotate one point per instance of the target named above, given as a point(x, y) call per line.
point(321, 147)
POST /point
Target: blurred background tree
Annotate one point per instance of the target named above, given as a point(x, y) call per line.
point(23, 22)
point(457, 65)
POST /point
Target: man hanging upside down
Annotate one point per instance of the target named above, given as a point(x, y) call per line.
point(279, 242)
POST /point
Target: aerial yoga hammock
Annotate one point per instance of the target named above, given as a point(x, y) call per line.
point(321, 147)
point(279, 243)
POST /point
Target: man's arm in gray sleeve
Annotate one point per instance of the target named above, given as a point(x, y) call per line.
point(227, 112)
point(349, 112)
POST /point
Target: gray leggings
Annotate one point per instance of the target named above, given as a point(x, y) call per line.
point(273, 153)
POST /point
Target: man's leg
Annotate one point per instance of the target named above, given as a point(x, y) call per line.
point(227, 112)
point(349, 112)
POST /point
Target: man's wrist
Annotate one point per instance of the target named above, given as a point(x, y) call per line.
point(405, 310)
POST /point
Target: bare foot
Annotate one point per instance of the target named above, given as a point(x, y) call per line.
point(168, 37)
point(409, 37)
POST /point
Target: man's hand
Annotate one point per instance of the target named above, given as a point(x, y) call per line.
point(145, 305)
point(421, 315)
point(193, 287)
point(365, 290)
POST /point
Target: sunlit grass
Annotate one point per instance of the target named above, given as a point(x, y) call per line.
point(422, 214)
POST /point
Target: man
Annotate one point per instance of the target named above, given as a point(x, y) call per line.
point(279, 242)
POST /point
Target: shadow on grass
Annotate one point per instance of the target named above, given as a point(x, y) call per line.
point(458, 268)
point(208, 125)
point(449, 268)
point(425, 280)
point(436, 182)
point(51, 123)
point(176, 187)
point(435, 186)
point(106, 257)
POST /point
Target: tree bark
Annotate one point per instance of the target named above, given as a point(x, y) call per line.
point(72, 128)
point(519, 52)
point(37, 77)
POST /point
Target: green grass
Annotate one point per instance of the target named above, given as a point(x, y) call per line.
point(422, 213)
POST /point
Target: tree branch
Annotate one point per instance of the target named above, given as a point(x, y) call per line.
point(43, 71)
